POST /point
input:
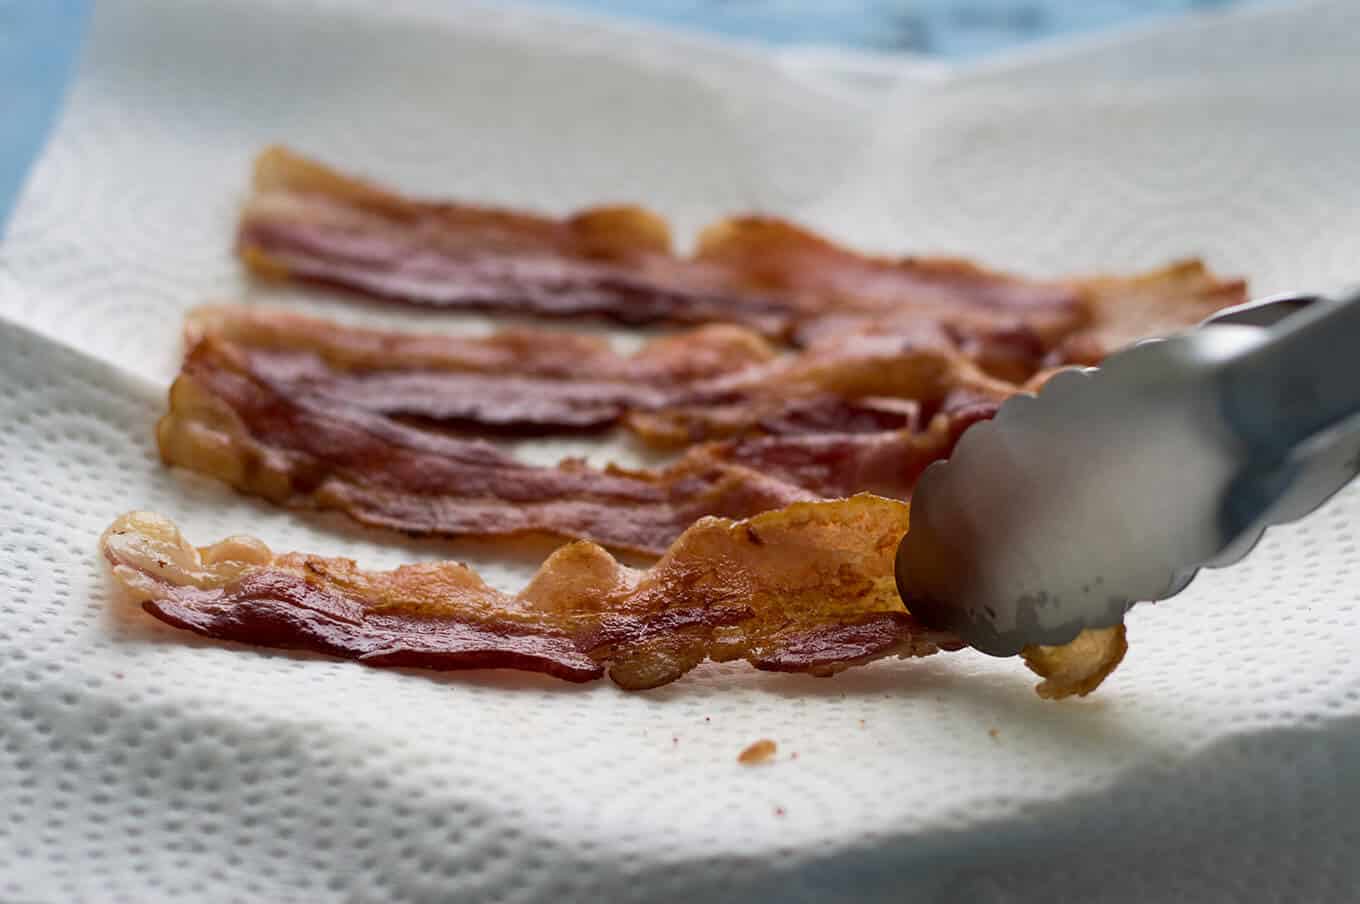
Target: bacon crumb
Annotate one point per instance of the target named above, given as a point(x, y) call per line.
point(761, 751)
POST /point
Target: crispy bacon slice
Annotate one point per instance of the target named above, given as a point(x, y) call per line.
point(235, 422)
point(809, 588)
point(524, 381)
point(308, 222)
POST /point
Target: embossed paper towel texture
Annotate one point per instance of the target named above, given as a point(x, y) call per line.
point(141, 764)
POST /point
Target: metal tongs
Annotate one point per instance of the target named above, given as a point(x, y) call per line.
point(1115, 485)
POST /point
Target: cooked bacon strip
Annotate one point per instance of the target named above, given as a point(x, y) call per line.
point(809, 588)
point(303, 450)
point(308, 222)
point(542, 382)
point(305, 221)
point(523, 381)
point(229, 420)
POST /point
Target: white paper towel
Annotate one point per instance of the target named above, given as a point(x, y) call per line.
point(138, 763)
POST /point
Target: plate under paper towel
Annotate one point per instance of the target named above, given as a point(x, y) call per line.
point(139, 763)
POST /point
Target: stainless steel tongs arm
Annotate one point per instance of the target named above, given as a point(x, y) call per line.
point(1300, 380)
point(1117, 484)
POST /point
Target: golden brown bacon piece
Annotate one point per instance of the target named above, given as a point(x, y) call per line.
point(808, 588)
point(1077, 667)
point(1126, 309)
point(306, 221)
point(230, 420)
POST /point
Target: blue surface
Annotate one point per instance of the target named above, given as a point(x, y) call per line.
point(956, 29)
point(38, 43)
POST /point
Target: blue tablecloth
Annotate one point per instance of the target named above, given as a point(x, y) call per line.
point(943, 28)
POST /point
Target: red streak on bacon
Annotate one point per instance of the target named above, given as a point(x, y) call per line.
point(835, 647)
point(281, 609)
point(485, 402)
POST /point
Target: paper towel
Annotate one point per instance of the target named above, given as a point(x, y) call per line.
point(139, 763)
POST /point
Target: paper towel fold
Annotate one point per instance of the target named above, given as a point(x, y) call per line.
point(138, 763)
